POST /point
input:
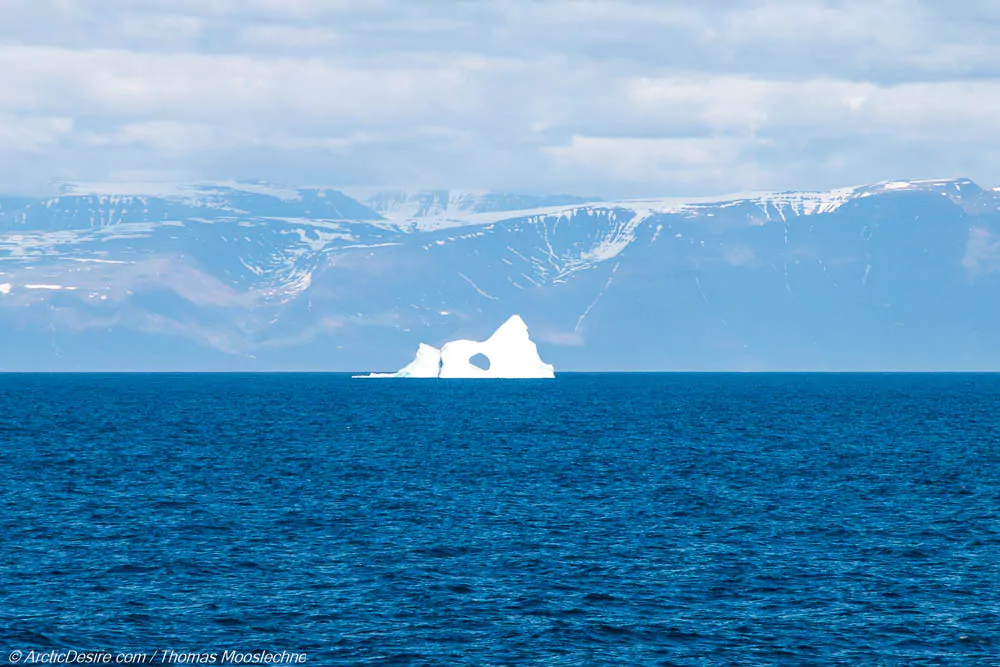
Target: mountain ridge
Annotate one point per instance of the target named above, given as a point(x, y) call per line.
point(261, 277)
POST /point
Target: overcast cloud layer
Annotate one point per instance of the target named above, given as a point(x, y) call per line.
point(612, 98)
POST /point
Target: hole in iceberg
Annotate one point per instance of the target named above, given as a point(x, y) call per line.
point(480, 361)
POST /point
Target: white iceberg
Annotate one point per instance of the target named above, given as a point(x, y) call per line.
point(510, 351)
point(427, 364)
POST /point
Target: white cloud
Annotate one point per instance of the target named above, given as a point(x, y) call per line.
point(823, 107)
point(228, 88)
point(264, 36)
point(635, 160)
point(982, 252)
point(32, 134)
point(604, 97)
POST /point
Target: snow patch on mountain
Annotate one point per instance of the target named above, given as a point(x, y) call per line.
point(434, 210)
point(188, 191)
point(430, 212)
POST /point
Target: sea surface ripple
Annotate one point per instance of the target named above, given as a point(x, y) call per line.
point(674, 519)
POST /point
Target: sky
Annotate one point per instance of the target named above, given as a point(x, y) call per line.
point(597, 98)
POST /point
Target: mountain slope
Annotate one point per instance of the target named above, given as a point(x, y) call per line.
point(895, 275)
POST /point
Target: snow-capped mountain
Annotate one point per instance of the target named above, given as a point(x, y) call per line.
point(253, 276)
point(425, 211)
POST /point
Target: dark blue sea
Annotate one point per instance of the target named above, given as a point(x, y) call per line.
point(675, 519)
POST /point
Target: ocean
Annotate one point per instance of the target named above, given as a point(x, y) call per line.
point(598, 519)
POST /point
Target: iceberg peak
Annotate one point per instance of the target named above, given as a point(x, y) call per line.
point(510, 350)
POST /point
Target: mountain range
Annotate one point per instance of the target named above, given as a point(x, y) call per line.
point(898, 275)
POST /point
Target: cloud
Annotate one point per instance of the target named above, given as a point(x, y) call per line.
point(738, 255)
point(821, 107)
point(614, 97)
point(982, 252)
point(561, 338)
point(32, 134)
point(686, 160)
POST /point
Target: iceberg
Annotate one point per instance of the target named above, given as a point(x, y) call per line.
point(510, 351)
point(427, 364)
